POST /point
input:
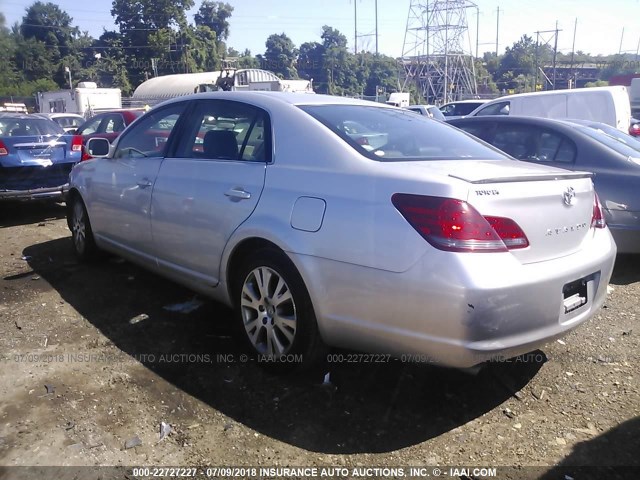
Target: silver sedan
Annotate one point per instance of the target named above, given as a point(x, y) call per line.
point(430, 244)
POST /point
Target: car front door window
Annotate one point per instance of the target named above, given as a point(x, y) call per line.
point(148, 138)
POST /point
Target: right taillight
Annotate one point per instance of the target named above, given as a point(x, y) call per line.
point(454, 225)
point(597, 219)
point(3, 149)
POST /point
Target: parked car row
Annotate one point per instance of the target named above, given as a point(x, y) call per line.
point(262, 200)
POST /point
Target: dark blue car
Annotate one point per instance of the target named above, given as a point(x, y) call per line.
point(36, 157)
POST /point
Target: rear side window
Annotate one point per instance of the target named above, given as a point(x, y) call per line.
point(527, 142)
point(387, 135)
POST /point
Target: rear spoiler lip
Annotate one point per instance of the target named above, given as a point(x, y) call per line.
point(528, 178)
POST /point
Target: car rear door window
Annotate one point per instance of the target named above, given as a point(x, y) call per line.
point(149, 136)
point(500, 108)
point(531, 143)
point(226, 130)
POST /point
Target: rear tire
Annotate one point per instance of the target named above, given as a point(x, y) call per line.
point(84, 244)
point(275, 316)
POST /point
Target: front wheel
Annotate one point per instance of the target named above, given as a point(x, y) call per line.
point(275, 314)
point(81, 233)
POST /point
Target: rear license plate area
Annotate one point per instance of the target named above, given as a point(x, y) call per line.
point(575, 295)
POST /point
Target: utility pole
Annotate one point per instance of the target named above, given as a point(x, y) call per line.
point(573, 53)
point(477, 29)
point(555, 56)
point(355, 26)
point(376, 27)
point(497, 31)
point(621, 39)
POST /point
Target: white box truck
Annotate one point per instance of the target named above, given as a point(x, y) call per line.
point(86, 100)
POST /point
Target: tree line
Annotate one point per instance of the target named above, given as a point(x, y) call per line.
point(45, 51)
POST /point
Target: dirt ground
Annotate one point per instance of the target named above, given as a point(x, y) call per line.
point(90, 361)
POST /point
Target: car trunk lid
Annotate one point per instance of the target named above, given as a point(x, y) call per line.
point(553, 207)
point(34, 151)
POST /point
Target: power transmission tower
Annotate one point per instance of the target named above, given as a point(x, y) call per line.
point(436, 56)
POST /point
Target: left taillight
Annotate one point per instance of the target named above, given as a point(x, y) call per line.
point(597, 219)
point(454, 225)
point(3, 149)
point(635, 130)
point(76, 143)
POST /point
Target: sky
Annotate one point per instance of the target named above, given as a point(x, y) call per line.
point(599, 30)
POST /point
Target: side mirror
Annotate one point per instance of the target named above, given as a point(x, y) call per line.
point(98, 147)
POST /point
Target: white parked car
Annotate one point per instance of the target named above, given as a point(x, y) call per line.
point(461, 108)
point(431, 243)
point(68, 121)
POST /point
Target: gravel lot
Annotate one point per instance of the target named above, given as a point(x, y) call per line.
point(90, 360)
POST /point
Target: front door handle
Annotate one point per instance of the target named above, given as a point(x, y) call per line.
point(144, 183)
point(238, 193)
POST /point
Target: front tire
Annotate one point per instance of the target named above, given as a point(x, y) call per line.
point(84, 244)
point(275, 316)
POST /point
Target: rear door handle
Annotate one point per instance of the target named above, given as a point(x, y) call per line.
point(144, 183)
point(238, 193)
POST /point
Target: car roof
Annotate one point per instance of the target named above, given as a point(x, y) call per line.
point(16, 115)
point(478, 100)
point(562, 124)
point(57, 115)
point(277, 98)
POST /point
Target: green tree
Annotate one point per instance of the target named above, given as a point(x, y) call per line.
point(153, 32)
point(215, 15)
point(520, 59)
point(280, 56)
point(8, 49)
point(310, 64)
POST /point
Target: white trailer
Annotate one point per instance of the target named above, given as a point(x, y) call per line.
point(158, 89)
point(86, 100)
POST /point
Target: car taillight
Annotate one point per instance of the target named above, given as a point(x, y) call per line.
point(454, 225)
point(3, 149)
point(597, 219)
point(76, 143)
point(634, 129)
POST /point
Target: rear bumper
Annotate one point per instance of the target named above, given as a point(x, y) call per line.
point(49, 193)
point(457, 310)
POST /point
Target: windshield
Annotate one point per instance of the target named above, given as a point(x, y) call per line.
point(21, 127)
point(388, 134)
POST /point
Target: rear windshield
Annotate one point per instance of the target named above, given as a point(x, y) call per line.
point(21, 127)
point(388, 134)
point(629, 147)
point(67, 122)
